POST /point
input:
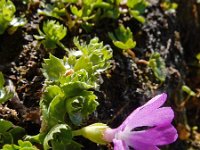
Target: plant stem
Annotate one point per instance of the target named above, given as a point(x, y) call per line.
point(131, 53)
point(63, 47)
point(142, 61)
point(77, 132)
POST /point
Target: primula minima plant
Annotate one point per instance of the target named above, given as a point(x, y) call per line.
point(7, 11)
point(22, 145)
point(89, 13)
point(68, 98)
point(157, 64)
point(136, 8)
point(122, 38)
point(5, 92)
point(147, 127)
point(52, 33)
point(7, 17)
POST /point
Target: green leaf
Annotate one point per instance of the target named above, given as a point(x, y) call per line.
point(94, 54)
point(120, 45)
point(122, 38)
point(136, 15)
point(51, 94)
point(79, 76)
point(56, 111)
point(75, 11)
point(125, 46)
point(6, 138)
point(113, 13)
point(53, 68)
point(49, 44)
point(157, 64)
point(83, 63)
point(17, 133)
point(22, 145)
point(39, 138)
point(133, 3)
point(136, 8)
point(7, 10)
point(5, 125)
point(10, 147)
point(52, 11)
point(26, 145)
point(5, 93)
point(121, 34)
point(60, 135)
point(138, 5)
point(15, 23)
point(79, 107)
point(9, 133)
point(72, 89)
point(53, 33)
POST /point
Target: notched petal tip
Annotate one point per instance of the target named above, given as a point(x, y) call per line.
point(156, 101)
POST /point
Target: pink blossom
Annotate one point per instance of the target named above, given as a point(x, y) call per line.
point(146, 128)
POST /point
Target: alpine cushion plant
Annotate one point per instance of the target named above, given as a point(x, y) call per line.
point(7, 17)
point(68, 98)
point(52, 33)
point(85, 65)
point(136, 8)
point(7, 11)
point(89, 13)
point(5, 92)
point(122, 38)
point(157, 64)
point(9, 133)
point(147, 127)
point(22, 145)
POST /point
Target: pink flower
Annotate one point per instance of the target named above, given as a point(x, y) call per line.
point(146, 128)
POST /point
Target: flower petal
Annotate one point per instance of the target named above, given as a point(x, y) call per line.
point(142, 146)
point(156, 101)
point(132, 134)
point(151, 118)
point(120, 145)
point(160, 135)
point(146, 110)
